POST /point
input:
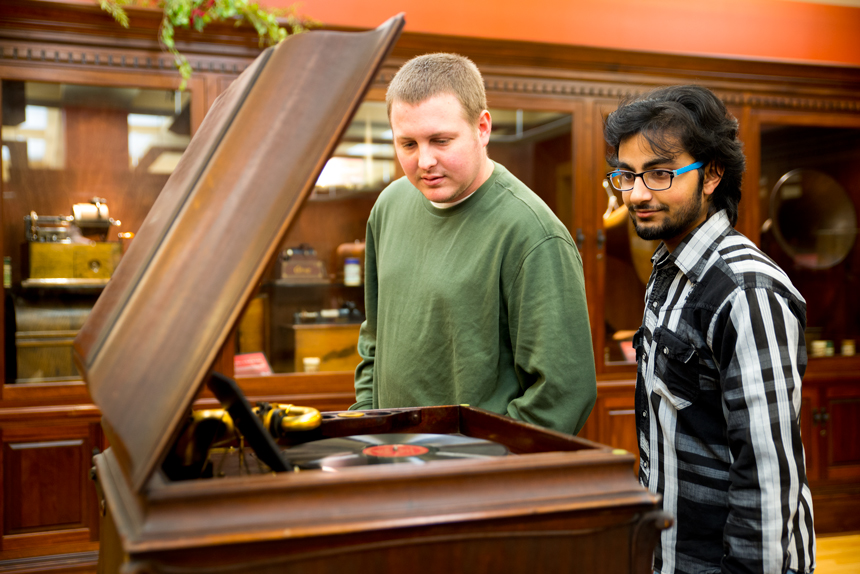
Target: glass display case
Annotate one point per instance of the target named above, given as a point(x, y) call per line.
point(627, 268)
point(81, 167)
point(809, 201)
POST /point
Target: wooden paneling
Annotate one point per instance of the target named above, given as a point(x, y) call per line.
point(42, 482)
point(829, 428)
point(844, 414)
point(97, 164)
point(48, 499)
point(841, 413)
point(613, 420)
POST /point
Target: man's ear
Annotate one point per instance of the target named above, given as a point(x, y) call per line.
point(713, 176)
point(485, 126)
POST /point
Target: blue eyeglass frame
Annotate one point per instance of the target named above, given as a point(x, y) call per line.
point(674, 172)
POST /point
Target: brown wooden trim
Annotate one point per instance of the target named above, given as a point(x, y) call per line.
point(78, 562)
point(836, 507)
point(300, 383)
point(818, 119)
point(75, 75)
point(92, 58)
point(60, 544)
point(565, 84)
point(749, 216)
point(589, 154)
point(536, 54)
point(24, 395)
point(2, 285)
point(65, 413)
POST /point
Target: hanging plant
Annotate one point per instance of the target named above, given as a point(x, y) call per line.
point(196, 14)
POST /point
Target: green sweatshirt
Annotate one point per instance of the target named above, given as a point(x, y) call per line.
point(482, 303)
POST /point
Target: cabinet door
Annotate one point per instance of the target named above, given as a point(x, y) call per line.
point(840, 420)
point(49, 500)
point(615, 416)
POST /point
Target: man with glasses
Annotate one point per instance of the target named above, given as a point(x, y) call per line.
point(721, 349)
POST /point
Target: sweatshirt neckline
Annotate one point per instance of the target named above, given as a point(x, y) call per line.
point(464, 205)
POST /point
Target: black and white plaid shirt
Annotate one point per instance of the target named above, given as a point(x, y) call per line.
point(720, 356)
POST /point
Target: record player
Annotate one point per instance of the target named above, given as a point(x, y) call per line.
point(553, 503)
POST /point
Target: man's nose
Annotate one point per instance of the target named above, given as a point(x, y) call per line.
point(640, 193)
point(426, 157)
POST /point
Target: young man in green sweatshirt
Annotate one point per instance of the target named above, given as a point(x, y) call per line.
point(474, 289)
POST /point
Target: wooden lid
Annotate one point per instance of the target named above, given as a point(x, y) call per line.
point(157, 327)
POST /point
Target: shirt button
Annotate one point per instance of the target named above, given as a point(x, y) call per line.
point(654, 305)
point(644, 414)
point(665, 350)
point(645, 464)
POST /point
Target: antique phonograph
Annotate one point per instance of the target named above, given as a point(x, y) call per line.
point(269, 488)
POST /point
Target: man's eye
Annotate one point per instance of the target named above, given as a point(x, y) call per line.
point(626, 176)
point(661, 174)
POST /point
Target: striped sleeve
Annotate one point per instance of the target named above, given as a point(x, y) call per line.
point(762, 355)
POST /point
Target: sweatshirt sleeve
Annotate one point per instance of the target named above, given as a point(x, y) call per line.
point(367, 334)
point(551, 338)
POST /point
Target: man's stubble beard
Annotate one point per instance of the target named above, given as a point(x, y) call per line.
point(676, 225)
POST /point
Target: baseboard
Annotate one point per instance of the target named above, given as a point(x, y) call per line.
point(78, 563)
point(836, 508)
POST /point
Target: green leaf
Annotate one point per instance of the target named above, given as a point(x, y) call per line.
point(114, 8)
point(196, 14)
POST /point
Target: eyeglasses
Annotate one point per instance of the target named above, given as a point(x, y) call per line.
point(654, 179)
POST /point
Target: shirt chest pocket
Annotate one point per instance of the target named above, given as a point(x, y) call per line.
point(676, 369)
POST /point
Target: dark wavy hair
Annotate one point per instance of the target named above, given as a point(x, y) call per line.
point(675, 119)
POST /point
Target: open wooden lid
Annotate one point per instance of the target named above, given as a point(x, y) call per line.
point(154, 333)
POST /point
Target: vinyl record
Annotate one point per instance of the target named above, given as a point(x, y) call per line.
point(361, 450)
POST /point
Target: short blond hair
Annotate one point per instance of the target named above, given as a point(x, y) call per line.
point(429, 75)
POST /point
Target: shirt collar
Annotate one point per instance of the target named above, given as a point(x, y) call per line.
point(463, 204)
point(692, 254)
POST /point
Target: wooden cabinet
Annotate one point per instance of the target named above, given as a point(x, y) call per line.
point(836, 420)
point(829, 426)
point(48, 499)
point(613, 420)
point(831, 406)
point(50, 430)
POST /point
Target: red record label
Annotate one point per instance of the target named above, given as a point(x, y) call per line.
point(394, 450)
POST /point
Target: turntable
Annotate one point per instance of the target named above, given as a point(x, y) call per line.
point(554, 503)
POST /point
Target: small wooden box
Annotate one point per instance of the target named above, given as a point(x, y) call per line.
point(73, 261)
